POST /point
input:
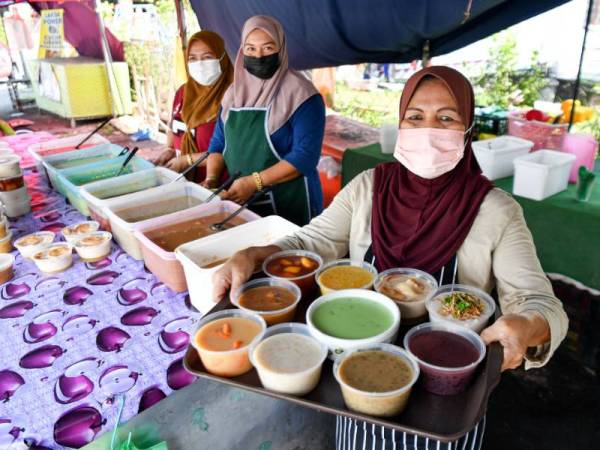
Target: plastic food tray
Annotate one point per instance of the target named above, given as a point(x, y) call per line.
point(74, 158)
point(156, 200)
point(70, 180)
point(61, 145)
point(445, 418)
point(194, 256)
point(98, 193)
point(164, 264)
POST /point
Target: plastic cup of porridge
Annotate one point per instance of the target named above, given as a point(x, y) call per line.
point(297, 266)
point(437, 312)
point(272, 299)
point(346, 274)
point(376, 379)
point(32, 243)
point(410, 289)
point(73, 232)
point(448, 355)
point(288, 359)
point(223, 338)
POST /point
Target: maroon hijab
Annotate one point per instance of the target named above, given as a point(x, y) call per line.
point(422, 223)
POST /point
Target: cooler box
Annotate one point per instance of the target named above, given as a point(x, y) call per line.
point(496, 156)
point(98, 193)
point(69, 180)
point(541, 174)
point(202, 258)
point(163, 263)
point(125, 212)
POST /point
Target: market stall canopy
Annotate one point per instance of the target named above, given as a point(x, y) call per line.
point(325, 33)
point(82, 30)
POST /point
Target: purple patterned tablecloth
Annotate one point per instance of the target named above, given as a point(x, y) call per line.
point(72, 343)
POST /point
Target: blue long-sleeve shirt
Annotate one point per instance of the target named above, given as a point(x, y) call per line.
point(298, 142)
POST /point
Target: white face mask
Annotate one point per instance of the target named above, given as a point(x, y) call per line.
point(205, 72)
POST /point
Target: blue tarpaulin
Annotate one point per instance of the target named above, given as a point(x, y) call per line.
point(325, 33)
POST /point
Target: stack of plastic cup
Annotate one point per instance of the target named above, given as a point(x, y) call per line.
point(13, 193)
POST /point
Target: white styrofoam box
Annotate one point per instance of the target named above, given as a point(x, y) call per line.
point(98, 193)
point(164, 200)
point(194, 256)
point(61, 145)
point(496, 156)
point(541, 174)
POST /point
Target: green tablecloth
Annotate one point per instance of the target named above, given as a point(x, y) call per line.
point(566, 232)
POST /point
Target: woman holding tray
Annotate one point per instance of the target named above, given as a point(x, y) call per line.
point(433, 210)
point(197, 103)
point(270, 129)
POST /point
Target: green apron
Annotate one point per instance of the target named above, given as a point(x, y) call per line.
point(248, 148)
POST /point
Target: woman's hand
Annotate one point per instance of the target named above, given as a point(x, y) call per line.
point(516, 333)
point(233, 274)
point(239, 269)
point(164, 157)
point(209, 183)
point(240, 190)
point(178, 164)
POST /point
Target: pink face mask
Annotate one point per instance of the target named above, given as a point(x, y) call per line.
point(429, 152)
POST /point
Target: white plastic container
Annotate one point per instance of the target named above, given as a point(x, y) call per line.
point(123, 213)
point(337, 345)
point(18, 209)
point(214, 250)
point(6, 152)
point(32, 243)
point(99, 193)
point(93, 246)
point(476, 324)
point(496, 156)
point(15, 196)
point(162, 263)
point(541, 174)
point(47, 262)
point(9, 166)
point(291, 374)
point(74, 232)
point(61, 145)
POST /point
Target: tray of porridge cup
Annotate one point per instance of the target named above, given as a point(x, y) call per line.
point(443, 417)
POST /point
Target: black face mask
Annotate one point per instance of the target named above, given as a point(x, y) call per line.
point(263, 67)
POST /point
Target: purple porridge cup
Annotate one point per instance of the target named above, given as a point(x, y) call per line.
point(443, 371)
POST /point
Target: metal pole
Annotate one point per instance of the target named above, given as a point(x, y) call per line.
point(108, 64)
point(577, 81)
point(181, 23)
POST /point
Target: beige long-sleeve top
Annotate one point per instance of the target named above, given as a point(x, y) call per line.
point(498, 252)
